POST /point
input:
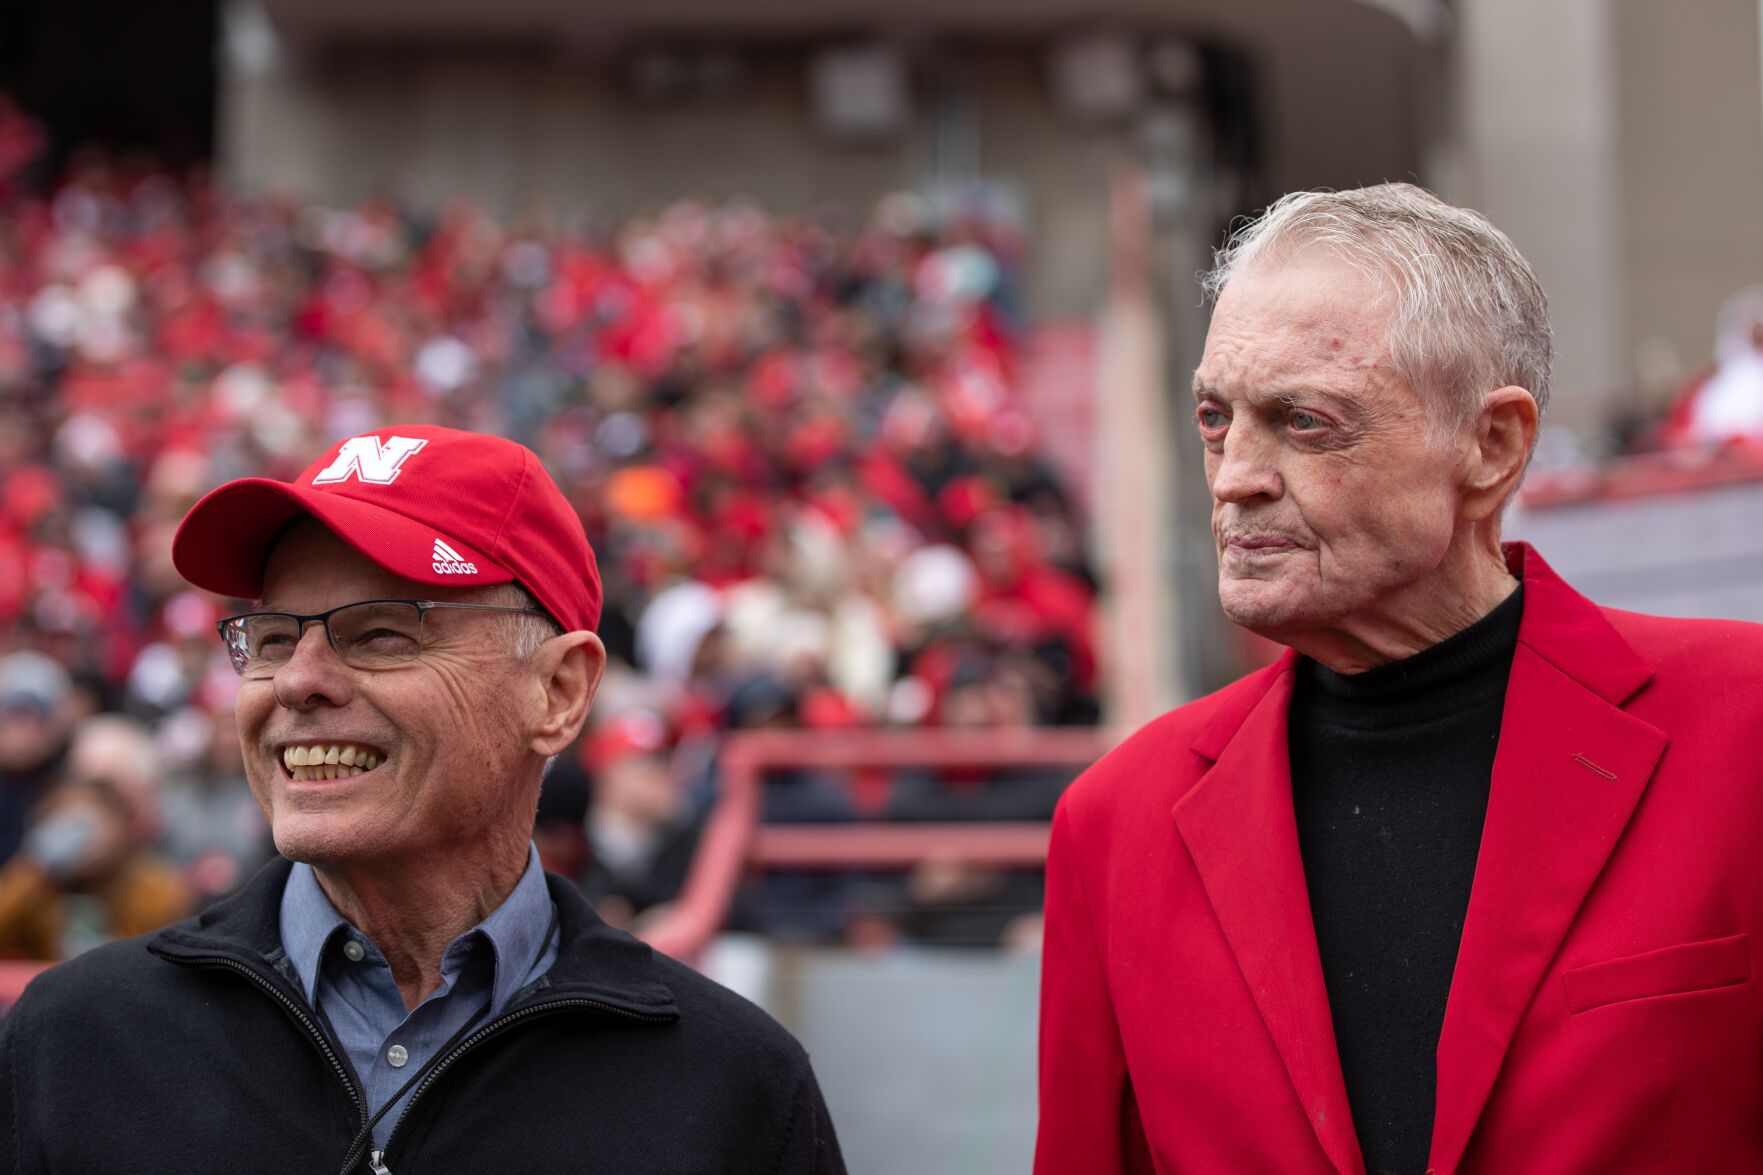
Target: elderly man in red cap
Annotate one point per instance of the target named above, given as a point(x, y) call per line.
point(407, 990)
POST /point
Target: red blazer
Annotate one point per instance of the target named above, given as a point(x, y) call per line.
point(1604, 1015)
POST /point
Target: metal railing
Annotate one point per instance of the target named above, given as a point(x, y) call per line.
point(736, 841)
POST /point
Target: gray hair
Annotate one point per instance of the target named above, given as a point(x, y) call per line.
point(1469, 313)
point(521, 634)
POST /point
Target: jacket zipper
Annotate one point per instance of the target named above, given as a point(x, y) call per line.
point(299, 1014)
point(377, 1160)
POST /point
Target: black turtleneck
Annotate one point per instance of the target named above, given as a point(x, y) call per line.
point(1390, 777)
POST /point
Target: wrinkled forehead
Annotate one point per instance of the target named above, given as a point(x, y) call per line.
point(1302, 317)
point(1304, 287)
point(1353, 263)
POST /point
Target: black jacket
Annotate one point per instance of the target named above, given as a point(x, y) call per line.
point(191, 1051)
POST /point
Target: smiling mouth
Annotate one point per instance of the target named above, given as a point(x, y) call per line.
point(312, 762)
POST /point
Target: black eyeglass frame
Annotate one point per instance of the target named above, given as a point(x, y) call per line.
point(423, 608)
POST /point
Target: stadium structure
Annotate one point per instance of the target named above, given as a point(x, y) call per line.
point(1102, 153)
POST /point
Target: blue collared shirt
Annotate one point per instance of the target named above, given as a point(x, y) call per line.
point(344, 976)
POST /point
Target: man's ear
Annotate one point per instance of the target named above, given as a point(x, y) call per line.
point(567, 671)
point(1505, 432)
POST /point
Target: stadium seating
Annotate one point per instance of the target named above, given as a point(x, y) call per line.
point(796, 444)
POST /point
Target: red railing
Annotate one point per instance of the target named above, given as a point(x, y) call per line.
point(1645, 475)
point(735, 841)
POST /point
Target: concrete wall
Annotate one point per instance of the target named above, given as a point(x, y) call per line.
point(437, 125)
point(926, 1056)
point(1700, 554)
point(1620, 144)
point(1538, 104)
point(432, 126)
point(1690, 106)
point(506, 117)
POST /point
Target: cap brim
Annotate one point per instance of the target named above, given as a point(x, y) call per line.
point(224, 541)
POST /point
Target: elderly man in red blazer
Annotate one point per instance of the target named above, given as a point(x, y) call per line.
point(1468, 880)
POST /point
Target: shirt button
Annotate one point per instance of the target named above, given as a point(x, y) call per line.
point(396, 1056)
point(354, 951)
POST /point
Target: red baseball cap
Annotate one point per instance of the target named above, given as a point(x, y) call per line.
point(433, 505)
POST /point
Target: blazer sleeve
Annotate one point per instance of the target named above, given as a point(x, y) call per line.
point(1089, 1123)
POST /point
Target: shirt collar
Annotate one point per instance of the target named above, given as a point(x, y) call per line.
point(516, 930)
point(308, 922)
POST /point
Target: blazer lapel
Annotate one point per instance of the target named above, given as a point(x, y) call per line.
point(1570, 768)
point(1239, 827)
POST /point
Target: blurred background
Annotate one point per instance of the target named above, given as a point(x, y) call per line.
point(860, 337)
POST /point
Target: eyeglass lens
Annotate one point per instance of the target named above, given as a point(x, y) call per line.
point(369, 635)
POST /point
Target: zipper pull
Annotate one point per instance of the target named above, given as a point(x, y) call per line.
point(376, 1161)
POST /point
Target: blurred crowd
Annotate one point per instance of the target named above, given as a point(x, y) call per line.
point(1722, 404)
point(795, 444)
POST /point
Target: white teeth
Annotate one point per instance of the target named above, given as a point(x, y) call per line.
point(331, 754)
point(347, 758)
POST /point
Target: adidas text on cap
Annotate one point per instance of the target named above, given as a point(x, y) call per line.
point(433, 505)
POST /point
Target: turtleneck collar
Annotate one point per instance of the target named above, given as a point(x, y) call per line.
point(1461, 668)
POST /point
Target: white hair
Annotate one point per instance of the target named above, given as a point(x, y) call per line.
point(1469, 314)
point(522, 634)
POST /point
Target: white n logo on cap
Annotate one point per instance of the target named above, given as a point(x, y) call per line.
point(451, 562)
point(372, 460)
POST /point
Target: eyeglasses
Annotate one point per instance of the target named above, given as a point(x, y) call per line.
point(370, 634)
